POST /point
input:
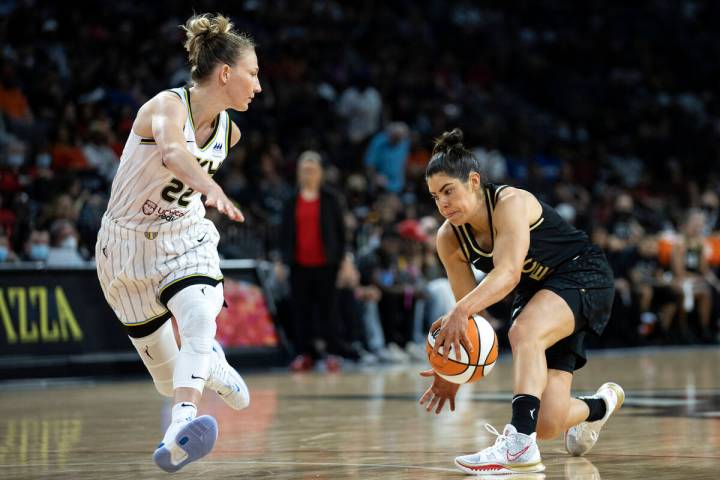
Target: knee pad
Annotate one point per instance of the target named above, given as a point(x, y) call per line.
point(195, 309)
point(159, 352)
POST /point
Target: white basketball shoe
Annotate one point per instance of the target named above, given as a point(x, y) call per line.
point(512, 452)
point(581, 438)
point(186, 441)
point(226, 381)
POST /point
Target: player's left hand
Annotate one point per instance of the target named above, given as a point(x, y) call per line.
point(439, 392)
point(217, 198)
point(453, 332)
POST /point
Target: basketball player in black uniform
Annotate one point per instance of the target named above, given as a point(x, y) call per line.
point(563, 288)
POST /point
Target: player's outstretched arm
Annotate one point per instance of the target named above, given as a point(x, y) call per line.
point(462, 282)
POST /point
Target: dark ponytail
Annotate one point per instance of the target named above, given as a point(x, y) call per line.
point(449, 156)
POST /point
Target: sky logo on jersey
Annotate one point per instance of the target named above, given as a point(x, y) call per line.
point(217, 146)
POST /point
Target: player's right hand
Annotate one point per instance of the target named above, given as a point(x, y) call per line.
point(439, 392)
point(217, 198)
point(453, 332)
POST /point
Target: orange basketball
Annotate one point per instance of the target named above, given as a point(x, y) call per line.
point(472, 366)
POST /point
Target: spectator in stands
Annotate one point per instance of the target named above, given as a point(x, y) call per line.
point(13, 102)
point(6, 253)
point(656, 297)
point(313, 245)
point(360, 104)
point(98, 153)
point(273, 190)
point(386, 156)
point(397, 285)
point(624, 233)
point(66, 154)
point(710, 205)
point(64, 245)
point(625, 230)
point(693, 278)
point(37, 246)
point(352, 297)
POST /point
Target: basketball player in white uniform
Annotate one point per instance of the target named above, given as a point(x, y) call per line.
point(157, 255)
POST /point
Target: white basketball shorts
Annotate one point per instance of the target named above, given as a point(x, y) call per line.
point(140, 271)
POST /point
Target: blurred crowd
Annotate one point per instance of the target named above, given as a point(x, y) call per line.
point(612, 115)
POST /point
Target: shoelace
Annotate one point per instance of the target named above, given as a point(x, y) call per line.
point(499, 437)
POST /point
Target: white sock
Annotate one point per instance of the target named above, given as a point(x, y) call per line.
point(182, 413)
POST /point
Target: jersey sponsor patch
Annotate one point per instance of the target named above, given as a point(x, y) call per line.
point(149, 207)
point(170, 215)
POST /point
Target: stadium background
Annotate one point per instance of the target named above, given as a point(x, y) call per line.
point(611, 114)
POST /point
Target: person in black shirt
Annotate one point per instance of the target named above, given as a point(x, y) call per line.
point(563, 288)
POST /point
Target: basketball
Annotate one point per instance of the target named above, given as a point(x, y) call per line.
point(472, 366)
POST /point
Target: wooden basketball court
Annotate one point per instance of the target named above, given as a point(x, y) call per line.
point(365, 425)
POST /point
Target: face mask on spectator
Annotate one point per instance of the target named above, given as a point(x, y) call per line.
point(70, 242)
point(15, 159)
point(3, 253)
point(43, 160)
point(39, 251)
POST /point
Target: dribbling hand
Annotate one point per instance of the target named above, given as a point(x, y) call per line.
point(453, 332)
point(217, 198)
point(439, 392)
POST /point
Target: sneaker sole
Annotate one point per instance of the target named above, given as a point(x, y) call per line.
point(620, 393)
point(499, 469)
point(194, 441)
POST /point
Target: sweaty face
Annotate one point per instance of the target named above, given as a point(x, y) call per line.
point(453, 198)
point(243, 81)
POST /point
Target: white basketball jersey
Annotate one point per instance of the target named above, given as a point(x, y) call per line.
point(146, 196)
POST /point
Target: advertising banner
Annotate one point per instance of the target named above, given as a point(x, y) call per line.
point(63, 312)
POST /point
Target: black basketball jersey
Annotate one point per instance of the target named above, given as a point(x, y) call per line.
point(552, 242)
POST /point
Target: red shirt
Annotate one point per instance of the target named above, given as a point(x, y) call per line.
point(309, 250)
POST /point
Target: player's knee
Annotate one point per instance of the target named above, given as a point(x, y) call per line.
point(195, 309)
point(521, 335)
point(197, 331)
point(200, 344)
point(518, 335)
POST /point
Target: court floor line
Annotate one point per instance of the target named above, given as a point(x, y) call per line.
point(547, 457)
point(242, 462)
point(548, 454)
